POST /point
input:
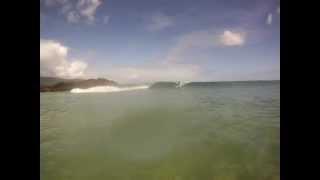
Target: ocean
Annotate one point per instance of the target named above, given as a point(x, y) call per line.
point(201, 131)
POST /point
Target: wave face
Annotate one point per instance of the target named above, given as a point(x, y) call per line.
point(168, 84)
point(107, 89)
point(182, 83)
point(187, 84)
point(164, 85)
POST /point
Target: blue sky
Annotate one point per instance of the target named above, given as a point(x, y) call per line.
point(154, 40)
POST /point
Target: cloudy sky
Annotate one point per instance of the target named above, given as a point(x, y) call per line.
point(160, 40)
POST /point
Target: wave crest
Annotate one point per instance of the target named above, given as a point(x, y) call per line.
point(107, 89)
point(182, 83)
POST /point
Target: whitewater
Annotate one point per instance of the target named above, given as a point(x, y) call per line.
point(108, 89)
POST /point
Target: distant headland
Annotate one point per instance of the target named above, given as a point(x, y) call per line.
point(51, 84)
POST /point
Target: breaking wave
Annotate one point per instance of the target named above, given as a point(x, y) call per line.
point(182, 83)
point(107, 89)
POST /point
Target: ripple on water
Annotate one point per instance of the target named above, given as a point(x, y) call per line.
point(192, 133)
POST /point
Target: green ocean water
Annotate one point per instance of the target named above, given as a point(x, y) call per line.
point(215, 132)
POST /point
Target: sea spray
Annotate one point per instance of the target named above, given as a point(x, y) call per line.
point(107, 89)
point(182, 83)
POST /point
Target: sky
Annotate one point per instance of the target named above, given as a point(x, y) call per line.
point(136, 41)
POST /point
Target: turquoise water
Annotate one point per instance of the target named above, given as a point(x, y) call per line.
point(215, 132)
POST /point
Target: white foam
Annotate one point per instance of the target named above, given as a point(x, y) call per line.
point(107, 89)
point(181, 84)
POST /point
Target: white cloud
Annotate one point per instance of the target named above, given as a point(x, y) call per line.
point(189, 42)
point(54, 61)
point(229, 38)
point(77, 10)
point(151, 73)
point(87, 8)
point(173, 67)
point(51, 3)
point(159, 21)
point(66, 7)
point(269, 19)
point(73, 17)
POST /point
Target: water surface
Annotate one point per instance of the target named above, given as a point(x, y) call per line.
point(203, 132)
